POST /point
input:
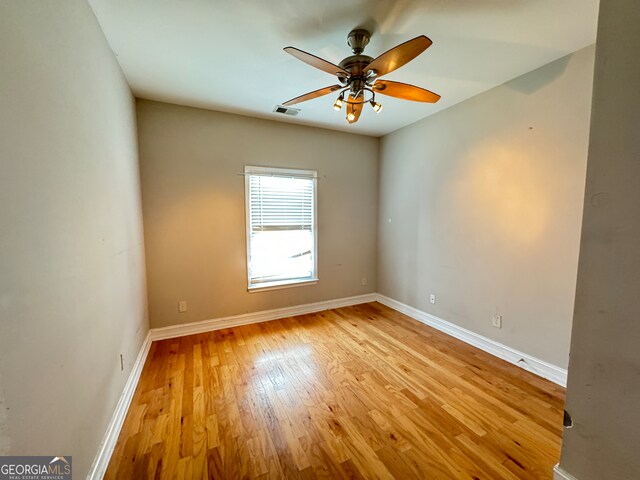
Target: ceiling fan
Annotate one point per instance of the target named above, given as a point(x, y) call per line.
point(359, 75)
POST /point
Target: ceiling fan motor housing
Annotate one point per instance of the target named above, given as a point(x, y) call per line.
point(356, 65)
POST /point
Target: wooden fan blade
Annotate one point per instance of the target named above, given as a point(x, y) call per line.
point(316, 61)
point(398, 56)
point(353, 110)
point(312, 95)
point(405, 91)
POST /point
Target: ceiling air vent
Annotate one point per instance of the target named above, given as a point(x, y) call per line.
point(286, 110)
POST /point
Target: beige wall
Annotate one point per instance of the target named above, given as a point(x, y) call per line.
point(72, 287)
point(194, 209)
point(603, 394)
point(485, 201)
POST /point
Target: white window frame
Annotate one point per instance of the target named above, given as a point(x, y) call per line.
point(287, 173)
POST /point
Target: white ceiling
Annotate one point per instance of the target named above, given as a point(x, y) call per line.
point(227, 54)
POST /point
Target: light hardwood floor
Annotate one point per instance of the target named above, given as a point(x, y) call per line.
point(356, 392)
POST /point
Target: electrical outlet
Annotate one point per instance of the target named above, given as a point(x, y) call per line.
point(496, 321)
point(182, 306)
point(432, 299)
point(364, 281)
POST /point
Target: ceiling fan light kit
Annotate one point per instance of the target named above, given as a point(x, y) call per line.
point(359, 75)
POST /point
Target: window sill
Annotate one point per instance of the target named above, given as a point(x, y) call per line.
point(279, 285)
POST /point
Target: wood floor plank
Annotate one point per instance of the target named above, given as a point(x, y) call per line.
point(360, 392)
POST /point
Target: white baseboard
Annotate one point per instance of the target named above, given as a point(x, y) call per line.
point(256, 317)
point(560, 474)
point(101, 462)
point(539, 367)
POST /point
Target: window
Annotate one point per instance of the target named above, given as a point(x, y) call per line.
point(281, 226)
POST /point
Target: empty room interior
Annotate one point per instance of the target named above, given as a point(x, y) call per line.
point(320, 239)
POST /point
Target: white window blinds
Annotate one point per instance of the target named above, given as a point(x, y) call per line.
point(280, 203)
point(281, 236)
